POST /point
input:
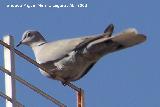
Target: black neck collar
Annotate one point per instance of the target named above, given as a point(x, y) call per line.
point(41, 44)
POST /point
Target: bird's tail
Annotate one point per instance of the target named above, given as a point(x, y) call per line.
point(126, 39)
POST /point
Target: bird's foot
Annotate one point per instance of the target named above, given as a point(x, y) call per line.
point(64, 83)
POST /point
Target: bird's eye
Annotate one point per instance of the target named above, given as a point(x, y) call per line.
point(28, 34)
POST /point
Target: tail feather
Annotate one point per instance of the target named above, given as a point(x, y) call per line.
point(109, 30)
point(129, 38)
point(121, 41)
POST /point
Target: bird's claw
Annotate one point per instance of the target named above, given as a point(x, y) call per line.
point(64, 83)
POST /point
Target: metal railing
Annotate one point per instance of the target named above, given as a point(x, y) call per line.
point(17, 104)
point(10, 46)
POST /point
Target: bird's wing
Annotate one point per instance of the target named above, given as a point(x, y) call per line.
point(59, 49)
point(56, 50)
point(128, 38)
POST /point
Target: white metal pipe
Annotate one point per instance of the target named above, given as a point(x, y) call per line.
point(9, 64)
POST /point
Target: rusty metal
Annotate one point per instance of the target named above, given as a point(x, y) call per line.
point(80, 98)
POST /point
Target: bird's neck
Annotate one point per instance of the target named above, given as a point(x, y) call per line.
point(37, 46)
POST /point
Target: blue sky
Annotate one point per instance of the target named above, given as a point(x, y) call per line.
point(128, 78)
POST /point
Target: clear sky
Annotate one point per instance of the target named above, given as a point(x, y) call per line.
point(128, 78)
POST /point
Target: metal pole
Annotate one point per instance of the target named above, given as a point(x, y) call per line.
point(80, 98)
point(9, 64)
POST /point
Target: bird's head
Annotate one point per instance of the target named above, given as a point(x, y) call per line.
point(31, 38)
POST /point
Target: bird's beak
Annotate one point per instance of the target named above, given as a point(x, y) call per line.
point(19, 43)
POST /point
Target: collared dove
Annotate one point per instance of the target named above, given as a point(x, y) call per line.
point(70, 59)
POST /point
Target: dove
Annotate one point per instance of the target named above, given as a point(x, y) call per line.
point(71, 59)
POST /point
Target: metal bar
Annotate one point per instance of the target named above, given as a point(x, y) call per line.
point(77, 89)
point(55, 101)
point(9, 64)
point(80, 98)
point(34, 62)
point(18, 104)
point(5, 97)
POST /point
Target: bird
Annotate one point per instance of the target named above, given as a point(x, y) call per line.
point(69, 60)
